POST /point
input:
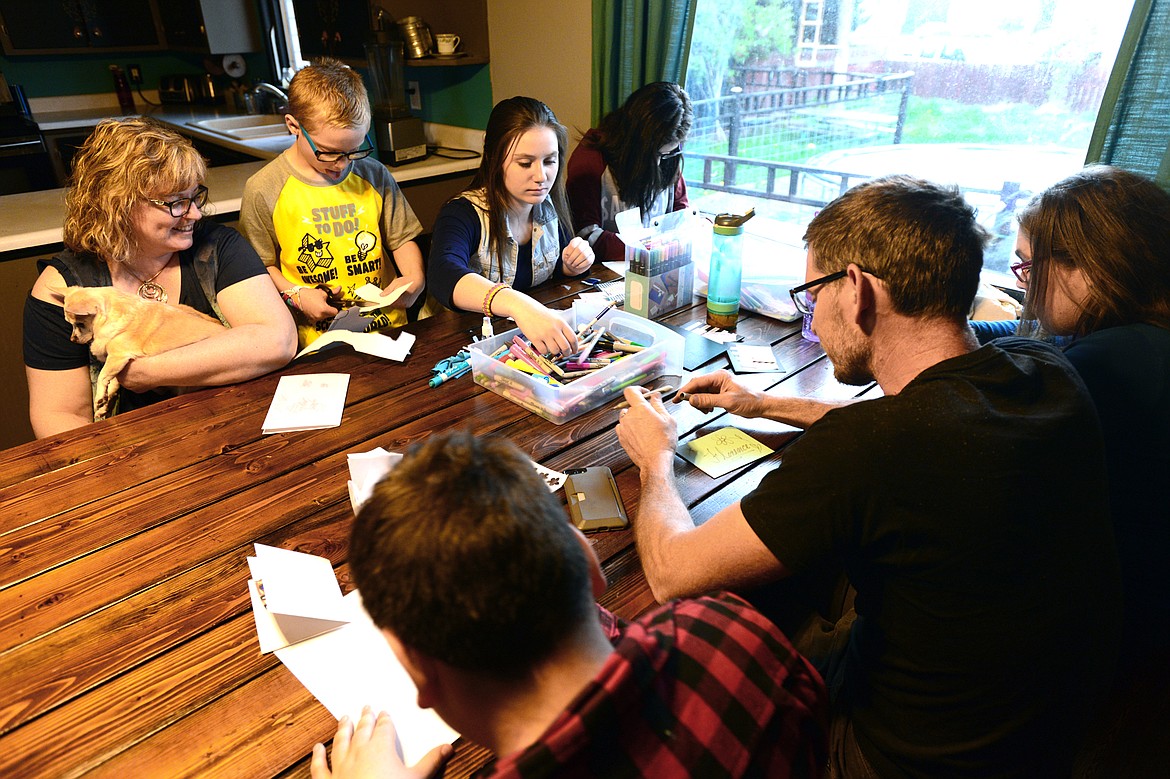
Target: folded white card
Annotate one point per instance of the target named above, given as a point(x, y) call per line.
point(295, 596)
point(354, 667)
point(310, 401)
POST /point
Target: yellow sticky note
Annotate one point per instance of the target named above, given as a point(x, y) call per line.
point(723, 451)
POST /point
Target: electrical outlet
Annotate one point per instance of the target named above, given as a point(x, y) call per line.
point(415, 95)
point(134, 73)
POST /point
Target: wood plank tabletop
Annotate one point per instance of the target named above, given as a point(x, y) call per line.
point(128, 646)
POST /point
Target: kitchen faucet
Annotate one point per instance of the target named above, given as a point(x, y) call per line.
point(257, 94)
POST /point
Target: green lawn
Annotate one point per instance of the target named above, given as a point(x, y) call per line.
point(928, 120)
point(933, 120)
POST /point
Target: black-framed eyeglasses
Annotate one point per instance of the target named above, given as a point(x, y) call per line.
point(334, 156)
point(180, 206)
point(670, 155)
point(1022, 270)
point(800, 298)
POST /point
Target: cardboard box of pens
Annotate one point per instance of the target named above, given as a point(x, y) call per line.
point(618, 351)
point(660, 272)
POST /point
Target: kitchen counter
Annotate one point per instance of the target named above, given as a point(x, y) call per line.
point(34, 219)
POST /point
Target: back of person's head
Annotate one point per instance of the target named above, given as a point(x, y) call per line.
point(328, 93)
point(920, 238)
point(120, 165)
point(1112, 225)
point(464, 554)
point(509, 120)
point(630, 138)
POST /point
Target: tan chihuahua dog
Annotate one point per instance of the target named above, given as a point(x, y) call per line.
point(123, 327)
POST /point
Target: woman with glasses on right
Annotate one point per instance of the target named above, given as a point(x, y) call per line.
point(633, 158)
point(1094, 257)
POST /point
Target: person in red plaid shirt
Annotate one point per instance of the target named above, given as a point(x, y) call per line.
point(487, 598)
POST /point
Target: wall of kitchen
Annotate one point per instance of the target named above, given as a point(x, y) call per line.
point(88, 74)
point(544, 53)
point(536, 48)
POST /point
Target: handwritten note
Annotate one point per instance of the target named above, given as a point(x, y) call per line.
point(723, 451)
point(310, 401)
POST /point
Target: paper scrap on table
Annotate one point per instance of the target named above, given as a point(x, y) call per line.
point(294, 597)
point(595, 299)
point(354, 667)
point(310, 401)
point(366, 469)
point(553, 479)
point(617, 266)
point(723, 451)
point(375, 344)
point(753, 358)
point(716, 334)
point(373, 298)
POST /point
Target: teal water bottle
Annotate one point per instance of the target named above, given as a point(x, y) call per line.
point(726, 270)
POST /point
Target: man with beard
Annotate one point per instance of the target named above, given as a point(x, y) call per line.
point(967, 508)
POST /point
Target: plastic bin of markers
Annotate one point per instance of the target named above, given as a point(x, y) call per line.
point(662, 356)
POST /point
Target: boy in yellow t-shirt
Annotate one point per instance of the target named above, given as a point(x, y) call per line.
point(325, 215)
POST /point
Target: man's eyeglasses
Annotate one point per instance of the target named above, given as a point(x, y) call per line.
point(800, 297)
point(180, 206)
point(1022, 270)
point(334, 156)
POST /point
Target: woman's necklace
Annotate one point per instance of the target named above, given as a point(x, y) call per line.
point(147, 288)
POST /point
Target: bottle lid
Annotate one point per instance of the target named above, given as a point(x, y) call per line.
point(722, 229)
point(734, 220)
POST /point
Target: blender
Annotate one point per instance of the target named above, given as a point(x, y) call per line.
point(398, 133)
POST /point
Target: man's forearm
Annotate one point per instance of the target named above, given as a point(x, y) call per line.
point(662, 517)
point(799, 412)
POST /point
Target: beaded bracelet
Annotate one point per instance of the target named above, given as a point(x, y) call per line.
point(288, 295)
point(490, 296)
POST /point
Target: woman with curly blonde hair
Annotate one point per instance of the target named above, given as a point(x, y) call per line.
point(133, 221)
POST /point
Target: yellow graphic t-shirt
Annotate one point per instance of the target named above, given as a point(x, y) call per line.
point(330, 235)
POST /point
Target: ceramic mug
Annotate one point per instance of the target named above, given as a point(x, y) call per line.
point(447, 42)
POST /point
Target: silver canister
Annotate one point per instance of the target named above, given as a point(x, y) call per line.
point(417, 36)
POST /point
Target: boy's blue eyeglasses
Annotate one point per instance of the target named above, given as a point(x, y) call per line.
point(334, 156)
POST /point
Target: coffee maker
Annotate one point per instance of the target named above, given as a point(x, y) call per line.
point(398, 134)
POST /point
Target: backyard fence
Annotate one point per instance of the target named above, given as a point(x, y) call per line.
point(787, 115)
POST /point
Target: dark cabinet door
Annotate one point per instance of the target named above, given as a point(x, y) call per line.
point(182, 22)
point(120, 23)
point(65, 25)
point(333, 28)
point(58, 24)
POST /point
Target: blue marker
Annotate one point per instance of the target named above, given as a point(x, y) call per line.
point(454, 372)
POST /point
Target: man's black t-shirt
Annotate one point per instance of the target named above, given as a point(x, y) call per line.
point(970, 513)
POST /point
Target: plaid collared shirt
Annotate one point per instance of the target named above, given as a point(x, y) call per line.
point(705, 687)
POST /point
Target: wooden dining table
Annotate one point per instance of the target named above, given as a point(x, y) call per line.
point(128, 646)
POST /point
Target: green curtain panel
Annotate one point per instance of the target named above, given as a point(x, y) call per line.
point(1133, 128)
point(636, 42)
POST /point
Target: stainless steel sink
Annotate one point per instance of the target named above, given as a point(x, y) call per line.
point(245, 128)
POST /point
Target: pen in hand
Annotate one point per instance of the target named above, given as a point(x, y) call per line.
point(663, 390)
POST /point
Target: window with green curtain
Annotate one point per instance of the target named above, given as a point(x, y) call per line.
point(636, 42)
point(1133, 127)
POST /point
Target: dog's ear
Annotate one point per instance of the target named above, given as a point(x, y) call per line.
point(81, 301)
point(58, 293)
